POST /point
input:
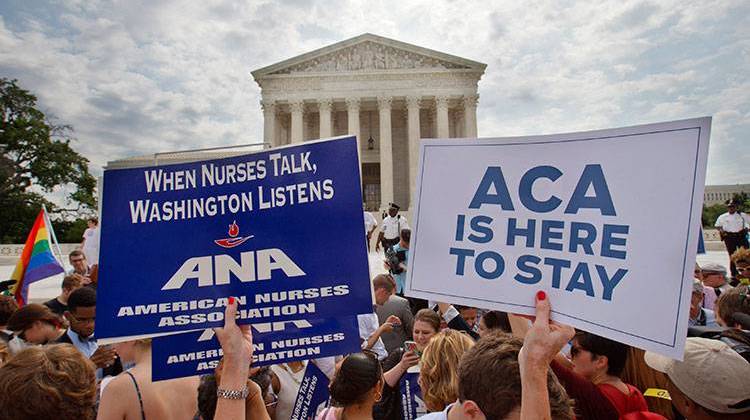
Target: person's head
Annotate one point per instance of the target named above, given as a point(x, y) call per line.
point(78, 261)
point(494, 320)
point(468, 313)
point(48, 382)
point(93, 222)
point(35, 323)
point(712, 381)
point(393, 210)
point(128, 350)
point(359, 380)
point(405, 238)
point(731, 303)
point(426, 325)
point(70, 283)
point(81, 313)
point(714, 275)
point(8, 306)
point(384, 286)
point(489, 381)
point(696, 298)
point(731, 207)
point(595, 357)
point(741, 260)
point(438, 377)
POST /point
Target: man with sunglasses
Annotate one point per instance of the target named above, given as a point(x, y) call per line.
point(81, 315)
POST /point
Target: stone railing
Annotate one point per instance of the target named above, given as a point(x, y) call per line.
point(9, 253)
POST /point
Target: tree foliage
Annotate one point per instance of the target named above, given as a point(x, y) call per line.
point(37, 159)
point(711, 213)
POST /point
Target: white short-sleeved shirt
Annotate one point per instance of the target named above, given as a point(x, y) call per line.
point(392, 226)
point(732, 222)
point(368, 324)
point(91, 245)
point(370, 221)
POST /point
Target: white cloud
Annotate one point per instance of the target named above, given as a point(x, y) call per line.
point(139, 77)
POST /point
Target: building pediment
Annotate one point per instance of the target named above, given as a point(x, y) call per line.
point(368, 53)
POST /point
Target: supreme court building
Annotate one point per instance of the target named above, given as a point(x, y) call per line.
point(386, 92)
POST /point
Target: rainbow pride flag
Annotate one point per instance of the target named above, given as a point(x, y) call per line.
point(37, 261)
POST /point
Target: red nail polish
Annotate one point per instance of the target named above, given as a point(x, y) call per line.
point(540, 295)
point(231, 300)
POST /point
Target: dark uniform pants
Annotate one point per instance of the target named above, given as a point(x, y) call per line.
point(388, 243)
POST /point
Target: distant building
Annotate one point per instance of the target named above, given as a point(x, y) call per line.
point(719, 194)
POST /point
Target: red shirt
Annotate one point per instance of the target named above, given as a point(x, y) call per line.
point(624, 404)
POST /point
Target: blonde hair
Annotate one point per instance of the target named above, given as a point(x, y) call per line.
point(439, 373)
point(741, 255)
point(53, 381)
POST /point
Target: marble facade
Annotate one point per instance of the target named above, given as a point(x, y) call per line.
point(386, 92)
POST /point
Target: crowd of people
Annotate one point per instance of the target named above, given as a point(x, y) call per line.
point(468, 363)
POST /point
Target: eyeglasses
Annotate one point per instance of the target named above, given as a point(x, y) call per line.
point(77, 260)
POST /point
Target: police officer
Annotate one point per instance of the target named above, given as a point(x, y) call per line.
point(732, 227)
point(390, 228)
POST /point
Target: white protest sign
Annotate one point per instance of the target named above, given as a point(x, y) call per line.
point(606, 222)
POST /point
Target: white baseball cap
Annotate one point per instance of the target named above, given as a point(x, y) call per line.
point(712, 375)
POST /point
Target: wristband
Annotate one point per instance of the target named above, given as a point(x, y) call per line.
point(233, 394)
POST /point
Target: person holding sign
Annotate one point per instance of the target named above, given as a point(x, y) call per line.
point(502, 377)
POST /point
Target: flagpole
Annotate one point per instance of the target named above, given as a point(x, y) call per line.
point(51, 231)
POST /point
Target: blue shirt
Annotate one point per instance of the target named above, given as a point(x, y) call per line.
point(87, 345)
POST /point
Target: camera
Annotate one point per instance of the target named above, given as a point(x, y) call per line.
point(394, 258)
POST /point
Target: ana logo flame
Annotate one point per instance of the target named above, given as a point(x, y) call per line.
point(233, 240)
point(234, 230)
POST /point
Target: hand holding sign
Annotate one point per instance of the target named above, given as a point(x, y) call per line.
point(236, 341)
point(544, 339)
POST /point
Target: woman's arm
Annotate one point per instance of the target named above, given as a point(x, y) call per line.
point(237, 345)
point(393, 376)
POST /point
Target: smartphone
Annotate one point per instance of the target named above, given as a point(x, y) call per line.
point(411, 346)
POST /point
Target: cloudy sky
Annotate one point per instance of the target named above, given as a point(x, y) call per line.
point(136, 77)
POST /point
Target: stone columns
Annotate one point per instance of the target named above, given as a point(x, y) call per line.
point(386, 152)
point(441, 107)
point(297, 108)
point(324, 109)
point(352, 111)
point(470, 115)
point(412, 109)
point(269, 123)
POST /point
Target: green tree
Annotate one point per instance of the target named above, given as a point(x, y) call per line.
point(37, 159)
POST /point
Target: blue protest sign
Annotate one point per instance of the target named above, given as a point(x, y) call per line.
point(412, 405)
point(280, 229)
point(199, 352)
point(313, 393)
